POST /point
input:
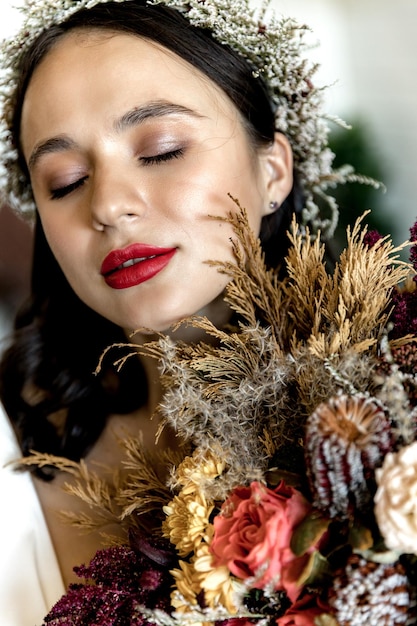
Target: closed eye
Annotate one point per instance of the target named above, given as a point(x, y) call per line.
point(162, 158)
point(61, 192)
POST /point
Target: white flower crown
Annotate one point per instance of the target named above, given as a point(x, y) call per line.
point(274, 50)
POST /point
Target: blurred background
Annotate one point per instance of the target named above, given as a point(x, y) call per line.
point(368, 53)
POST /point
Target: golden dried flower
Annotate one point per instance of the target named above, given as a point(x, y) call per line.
point(198, 469)
point(220, 587)
point(188, 512)
point(187, 521)
point(187, 587)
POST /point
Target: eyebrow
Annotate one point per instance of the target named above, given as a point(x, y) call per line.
point(134, 117)
point(159, 108)
point(56, 144)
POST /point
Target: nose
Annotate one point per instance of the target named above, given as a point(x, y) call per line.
point(115, 199)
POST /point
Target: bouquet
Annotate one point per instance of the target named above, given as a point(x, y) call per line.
point(294, 499)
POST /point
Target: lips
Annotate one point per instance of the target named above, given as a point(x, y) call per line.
point(134, 265)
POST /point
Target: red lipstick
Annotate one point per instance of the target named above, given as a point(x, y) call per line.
point(135, 264)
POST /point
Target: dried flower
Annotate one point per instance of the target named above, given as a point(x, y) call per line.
point(220, 587)
point(252, 536)
point(187, 587)
point(304, 612)
point(346, 438)
point(198, 578)
point(396, 500)
point(402, 362)
point(372, 594)
point(121, 580)
point(372, 237)
point(188, 512)
point(269, 556)
point(198, 469)
point(187, 521)
point(404, 314)
point(413, 250)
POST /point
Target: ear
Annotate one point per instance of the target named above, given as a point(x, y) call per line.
point(277, 169)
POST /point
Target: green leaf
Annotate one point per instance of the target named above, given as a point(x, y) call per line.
point(315, 569)
point(360, 537)
point(308, 533)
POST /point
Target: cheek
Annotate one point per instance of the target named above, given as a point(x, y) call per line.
point(217, 176)
point(66, 246)
point(55, 238)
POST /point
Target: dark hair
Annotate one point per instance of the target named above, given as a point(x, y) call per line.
point(46, 377)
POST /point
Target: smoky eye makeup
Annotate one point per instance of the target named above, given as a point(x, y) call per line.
point(154, 144)
point(56, 179)
point(60, 191)
point(162, 157)
point(61, 176)
point(57, 174)
point(163, 140)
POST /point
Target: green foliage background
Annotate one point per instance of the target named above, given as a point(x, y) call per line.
point(357, 147)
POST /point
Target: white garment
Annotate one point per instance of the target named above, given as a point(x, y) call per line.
point(30, 579)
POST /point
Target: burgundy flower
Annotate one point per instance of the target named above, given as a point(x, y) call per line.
point(404, 315)
point(413, 250)
point(304, 612)
point(371, 238)
point(119, 581)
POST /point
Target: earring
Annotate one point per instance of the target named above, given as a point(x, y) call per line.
point(273, 206)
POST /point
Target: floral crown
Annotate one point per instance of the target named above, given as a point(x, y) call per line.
point(273, 50)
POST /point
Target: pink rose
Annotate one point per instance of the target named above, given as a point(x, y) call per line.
point(253, 532)
point(303, 612)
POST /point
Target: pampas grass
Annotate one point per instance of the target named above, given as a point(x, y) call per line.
point(246, 395)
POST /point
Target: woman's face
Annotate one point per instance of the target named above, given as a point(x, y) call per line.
point(130, 149)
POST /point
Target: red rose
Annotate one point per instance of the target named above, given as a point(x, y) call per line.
point(253, 532)
point(303, 612)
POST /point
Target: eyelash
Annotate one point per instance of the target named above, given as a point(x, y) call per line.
point(162, 158)
point(61, 192)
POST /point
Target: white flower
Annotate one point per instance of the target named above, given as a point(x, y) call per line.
point(396, 500)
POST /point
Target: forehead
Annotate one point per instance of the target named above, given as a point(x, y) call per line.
point(93, 71)
point(96, 56)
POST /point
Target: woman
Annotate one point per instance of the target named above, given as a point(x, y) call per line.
point(129, 130)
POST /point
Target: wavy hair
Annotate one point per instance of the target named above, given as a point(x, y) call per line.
point(47, 384)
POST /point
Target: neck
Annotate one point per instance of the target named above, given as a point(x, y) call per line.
point(217, 311)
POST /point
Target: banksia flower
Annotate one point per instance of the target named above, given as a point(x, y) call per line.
point(374, 594)
point(346, 439)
